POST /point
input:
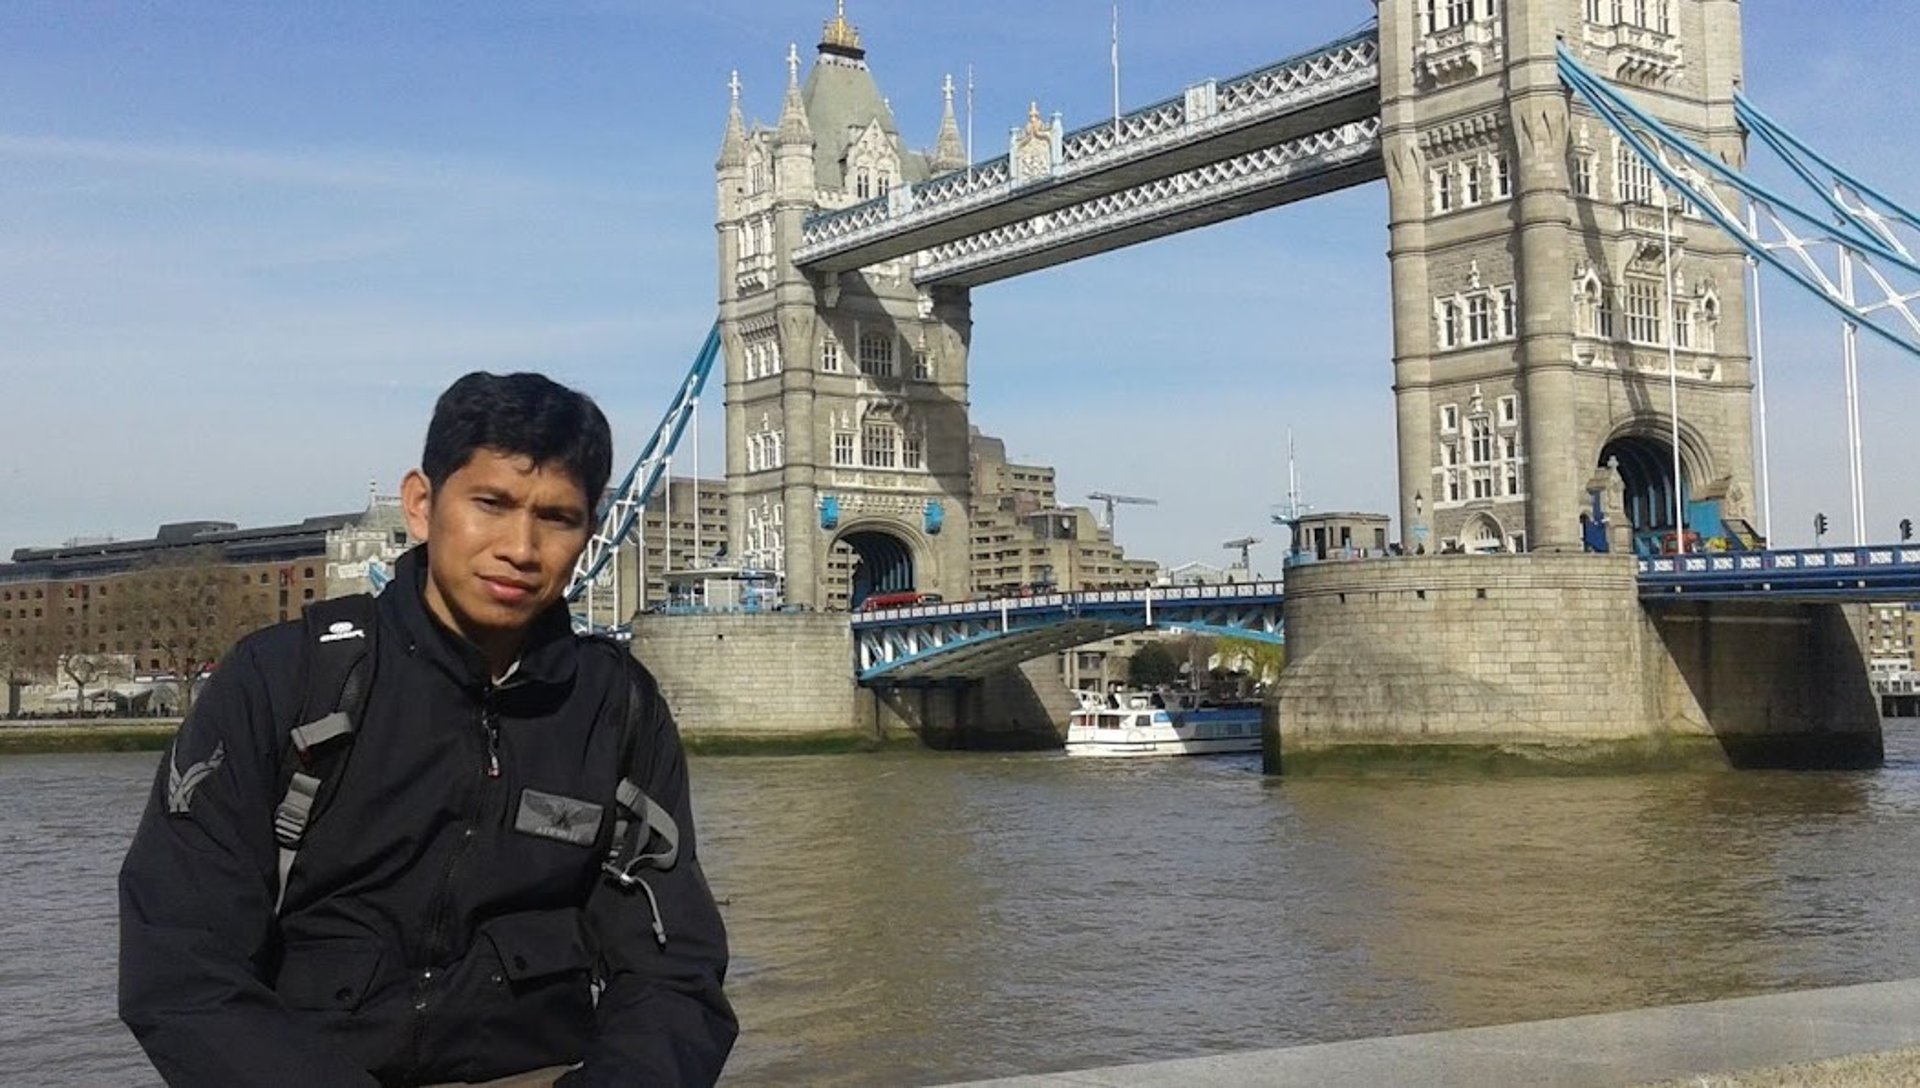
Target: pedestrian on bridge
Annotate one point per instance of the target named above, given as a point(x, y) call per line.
point(501, 883)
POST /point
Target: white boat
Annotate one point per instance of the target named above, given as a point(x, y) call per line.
point(1160, 723)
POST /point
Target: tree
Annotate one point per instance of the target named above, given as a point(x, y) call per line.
point(83, 668)
point(1151, 666)
point(1194, 652)
point(1260, 659)
point(28, 653)
point(183, 611)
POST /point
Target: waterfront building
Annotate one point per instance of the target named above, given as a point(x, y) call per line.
point(59, 600)
point(1024, 540)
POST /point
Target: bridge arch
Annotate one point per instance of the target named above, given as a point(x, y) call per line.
point(1482, 534)
point(885, 557)
point(1641, 453)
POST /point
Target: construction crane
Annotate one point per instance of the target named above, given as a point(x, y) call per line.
point(1109, 499)
point(1245, 545)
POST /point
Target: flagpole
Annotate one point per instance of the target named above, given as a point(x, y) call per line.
point(1116, 70)
point(969, 120)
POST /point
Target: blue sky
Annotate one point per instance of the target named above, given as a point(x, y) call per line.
point(242, 246)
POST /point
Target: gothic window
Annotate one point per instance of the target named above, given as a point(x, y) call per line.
point(1509, 411)
point(1479, 319)
point(1480, 441)
point(1442, 189)
point(862, 183)
point(922, 367)
point(830, 353)
point(885, 183)
point(1709, 317)
point(1449, 324)
point(1583, 173)
point(1453, 485)
point(1450, 454)
point(1470, 184)
point(1682, 324)
point(912, 452)
point(1642, 306)
point(1594, 10)
point(1482, 483)
point(1603, 319)
point(1449, 418)
point(843, 449)
point(876, 354)
point(1632, 176)
point(1459, 12)
point(1509, 313)
point(877, 445)
point(1502, 176)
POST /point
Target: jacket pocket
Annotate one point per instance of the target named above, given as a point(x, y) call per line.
point(537, 945)
point(335, 975)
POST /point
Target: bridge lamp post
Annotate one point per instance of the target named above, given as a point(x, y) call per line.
point(1419, 520)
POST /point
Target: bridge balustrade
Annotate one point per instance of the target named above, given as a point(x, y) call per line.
point(1876, 572)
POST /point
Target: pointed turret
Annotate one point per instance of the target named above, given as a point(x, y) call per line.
point(733, 148)
point(948, 152)
point(793, 141)
point(794, 126)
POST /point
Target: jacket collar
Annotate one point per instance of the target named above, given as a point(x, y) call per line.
point(547, 658)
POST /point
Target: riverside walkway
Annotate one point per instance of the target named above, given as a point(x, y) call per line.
point(1846, 1035)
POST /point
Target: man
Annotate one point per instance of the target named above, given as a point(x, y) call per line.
point(446, 917)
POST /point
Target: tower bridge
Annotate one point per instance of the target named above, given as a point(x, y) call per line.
point(1532, 362)
point(1568, 266)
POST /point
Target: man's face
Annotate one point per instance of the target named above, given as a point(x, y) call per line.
point(503, 534)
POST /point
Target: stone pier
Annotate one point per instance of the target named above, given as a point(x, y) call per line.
point(789, 677)
point(1553, 658)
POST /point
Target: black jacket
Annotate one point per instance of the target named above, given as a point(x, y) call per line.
point(442, 922)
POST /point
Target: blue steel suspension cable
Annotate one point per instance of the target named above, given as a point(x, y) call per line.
point(1610, 107)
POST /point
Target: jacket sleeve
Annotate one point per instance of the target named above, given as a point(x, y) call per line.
point(196, 904)
point(662, 1018)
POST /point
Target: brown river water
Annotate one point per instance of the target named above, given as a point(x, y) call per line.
point(912, 919)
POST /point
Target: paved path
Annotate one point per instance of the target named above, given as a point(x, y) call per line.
point(1848, 1035)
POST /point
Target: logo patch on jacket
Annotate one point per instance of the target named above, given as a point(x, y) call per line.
point(563, 819)
point(181, 784)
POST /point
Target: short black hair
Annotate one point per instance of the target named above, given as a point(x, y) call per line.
point(529, 415)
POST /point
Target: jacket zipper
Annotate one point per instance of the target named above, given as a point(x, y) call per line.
point(475, 808)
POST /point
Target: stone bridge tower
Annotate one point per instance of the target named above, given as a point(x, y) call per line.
point(846, 397)
point(1536, 303)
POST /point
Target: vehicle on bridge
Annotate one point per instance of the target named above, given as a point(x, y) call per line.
point(881, 601)
point(1161, 723)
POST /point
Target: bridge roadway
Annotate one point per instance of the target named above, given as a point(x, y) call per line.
point(927, 644)
point(971, 639)
point(1285, 132)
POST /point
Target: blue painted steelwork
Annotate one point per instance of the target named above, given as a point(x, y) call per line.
point(630, 498)
point(1881, 572)
point(1856, 234)
point(968, 640)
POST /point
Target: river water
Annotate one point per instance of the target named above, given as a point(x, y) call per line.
point(918, 918)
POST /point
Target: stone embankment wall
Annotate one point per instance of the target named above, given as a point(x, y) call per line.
point(1554, 653)
point(770, 674)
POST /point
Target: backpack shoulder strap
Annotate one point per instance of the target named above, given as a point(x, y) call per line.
point(336, 672)
point(645, 835)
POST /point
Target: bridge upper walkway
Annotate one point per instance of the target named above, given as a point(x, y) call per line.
point(1290, 130)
